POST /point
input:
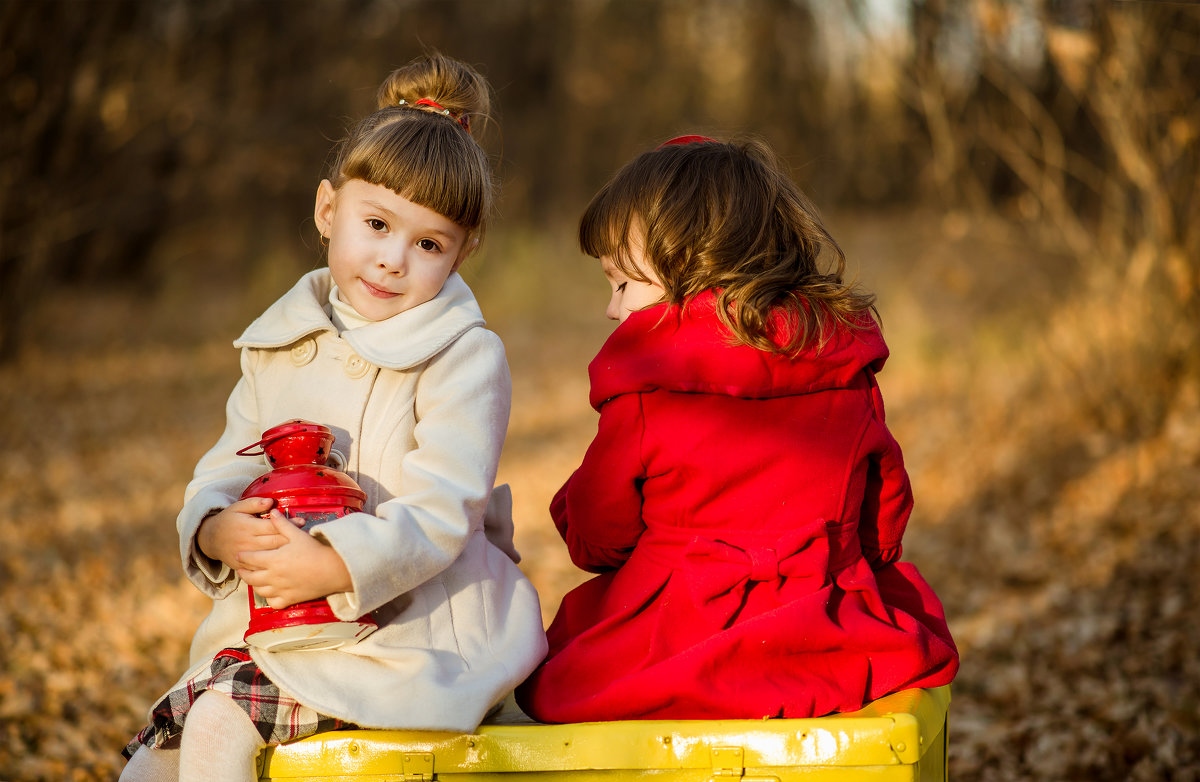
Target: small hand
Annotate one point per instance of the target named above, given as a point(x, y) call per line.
point(303, 568)
point(238, 528)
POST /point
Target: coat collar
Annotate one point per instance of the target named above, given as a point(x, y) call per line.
point(688, 349)
point(400, 342)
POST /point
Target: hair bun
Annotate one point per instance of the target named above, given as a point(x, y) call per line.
point(446, 83)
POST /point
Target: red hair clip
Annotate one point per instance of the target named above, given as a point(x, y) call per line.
point(466, 123)
point(688, 140)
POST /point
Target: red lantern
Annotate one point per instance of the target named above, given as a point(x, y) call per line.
point(304, 487)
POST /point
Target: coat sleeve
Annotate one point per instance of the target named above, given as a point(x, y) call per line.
point(598, 511)
point(462, 406)
point(219, 479)
point(888, 499)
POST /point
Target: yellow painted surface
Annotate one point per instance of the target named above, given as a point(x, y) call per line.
point(900, 737)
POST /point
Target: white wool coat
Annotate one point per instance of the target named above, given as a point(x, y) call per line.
point(419, 406)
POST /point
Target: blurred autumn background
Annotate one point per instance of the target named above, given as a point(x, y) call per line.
point(1019, 181)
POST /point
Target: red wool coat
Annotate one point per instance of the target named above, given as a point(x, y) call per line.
point(745, 512)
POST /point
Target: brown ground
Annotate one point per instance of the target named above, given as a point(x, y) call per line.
point(1064, 551)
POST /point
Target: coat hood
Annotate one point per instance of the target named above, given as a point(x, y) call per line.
point(400, 342)
point(688, 349)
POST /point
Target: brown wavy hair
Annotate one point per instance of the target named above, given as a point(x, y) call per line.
point(419, 153)
point(725, 216)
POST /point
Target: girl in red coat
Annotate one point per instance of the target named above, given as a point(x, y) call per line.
point(743, 500)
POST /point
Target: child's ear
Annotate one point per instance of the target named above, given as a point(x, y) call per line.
point(324, 208)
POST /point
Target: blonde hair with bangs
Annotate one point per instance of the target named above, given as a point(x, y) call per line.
point(419, 153)
point(726, 216)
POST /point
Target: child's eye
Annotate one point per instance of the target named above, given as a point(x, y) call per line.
point(377, 224)
point(429, 245)
point(621, 287)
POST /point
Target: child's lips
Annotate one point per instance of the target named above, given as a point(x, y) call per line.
point(378, 292)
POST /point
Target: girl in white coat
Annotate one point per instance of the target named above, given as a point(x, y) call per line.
point(387, 347)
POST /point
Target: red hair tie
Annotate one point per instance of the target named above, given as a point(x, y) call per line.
point(688, 140)
point(466, 123)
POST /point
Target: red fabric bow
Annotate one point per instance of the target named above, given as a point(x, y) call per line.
point(687, 140)
point(719, 572)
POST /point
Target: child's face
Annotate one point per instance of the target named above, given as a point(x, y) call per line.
point(386, 254)
point(630, 295)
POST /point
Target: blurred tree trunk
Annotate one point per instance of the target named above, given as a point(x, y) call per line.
point(1091, 133)
point(51, 148)
point(116, 112)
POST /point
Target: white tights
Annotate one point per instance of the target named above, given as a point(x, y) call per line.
point(219, 744)
point(152, 765)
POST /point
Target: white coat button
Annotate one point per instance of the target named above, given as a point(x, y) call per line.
point(356, 366)
point(304, 351)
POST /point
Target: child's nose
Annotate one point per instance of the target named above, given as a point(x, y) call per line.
point(613, 311)
point(393, 262)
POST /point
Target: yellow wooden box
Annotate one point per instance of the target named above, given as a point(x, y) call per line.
point(900, 737)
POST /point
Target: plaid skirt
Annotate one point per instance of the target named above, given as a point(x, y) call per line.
point(277, 716)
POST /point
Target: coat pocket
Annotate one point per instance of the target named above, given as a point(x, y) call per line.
point(436, 604)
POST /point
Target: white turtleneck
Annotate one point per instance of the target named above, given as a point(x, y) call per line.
point(343, 315)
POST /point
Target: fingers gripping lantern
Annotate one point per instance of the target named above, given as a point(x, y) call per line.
point(305, 487)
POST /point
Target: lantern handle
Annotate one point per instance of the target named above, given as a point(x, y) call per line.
point(261, 445)
point(280, 432)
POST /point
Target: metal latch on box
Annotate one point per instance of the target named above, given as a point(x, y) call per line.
point(729, 764)
point(417, 767)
